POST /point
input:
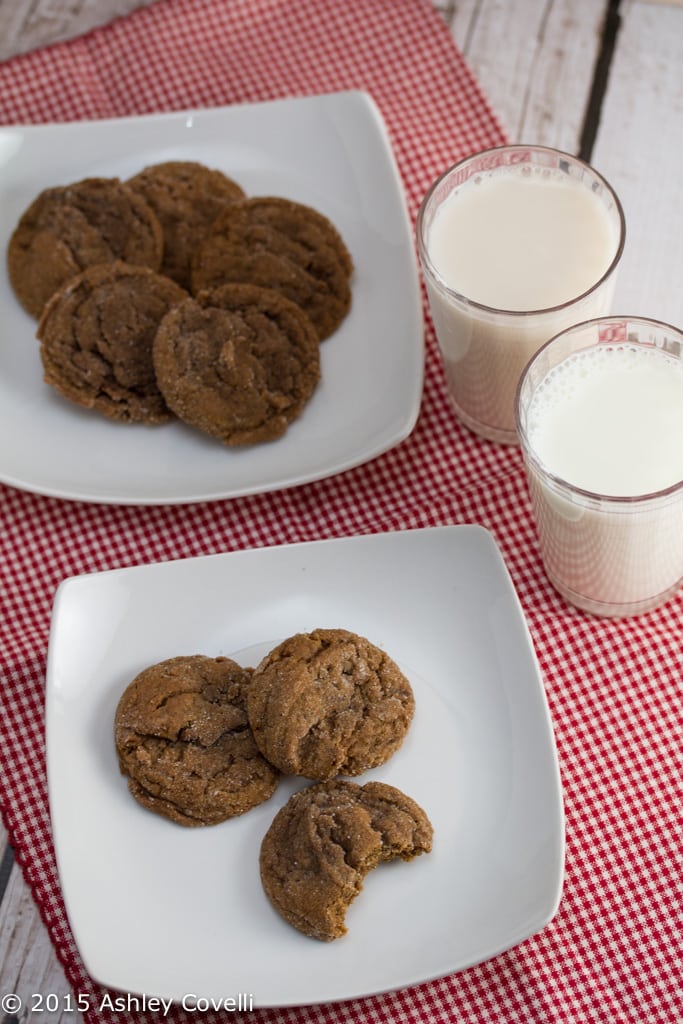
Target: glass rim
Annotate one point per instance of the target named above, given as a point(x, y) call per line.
point(620, 500)
point(429, 268)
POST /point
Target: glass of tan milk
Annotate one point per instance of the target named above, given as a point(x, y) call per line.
point(515, 243)
point(600, 421)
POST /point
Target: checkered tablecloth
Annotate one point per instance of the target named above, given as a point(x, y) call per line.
point(613, 952)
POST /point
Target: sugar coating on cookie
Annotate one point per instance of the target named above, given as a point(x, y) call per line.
point(183, 741)
point(325, 840)
point(238, 363)
point(71, 227)
point(186, 197)
point(329, 703)
point(276, 243)
point(96, 335)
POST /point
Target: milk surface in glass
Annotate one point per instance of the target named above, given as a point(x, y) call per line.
point(515, 249)
point(603, 430)
point(610, 420)
point(521, 239)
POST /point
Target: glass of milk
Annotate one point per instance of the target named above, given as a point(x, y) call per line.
point(516, 243)
point(600, 421)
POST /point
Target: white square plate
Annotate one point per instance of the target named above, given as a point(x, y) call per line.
point(331, 152)
point(479, 758)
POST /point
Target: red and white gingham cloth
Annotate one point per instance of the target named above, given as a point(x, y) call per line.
point(613, 952)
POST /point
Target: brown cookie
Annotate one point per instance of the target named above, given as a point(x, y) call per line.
point(277, 243)
point(184, 742)
point(96, 336)
point(326, 839)
point(329, 703)
point(238, 363)
point(71, 227)
point(186, 197)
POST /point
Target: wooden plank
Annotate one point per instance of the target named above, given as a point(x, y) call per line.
point(535, 62)
point(28, 24)
point(639, 148)
point(28, 964)
point(6, 861)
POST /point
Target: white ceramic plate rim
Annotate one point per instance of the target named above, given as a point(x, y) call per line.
point(480, 758)
point(332, 152)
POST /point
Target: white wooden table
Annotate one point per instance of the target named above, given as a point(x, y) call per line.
point(599, 78)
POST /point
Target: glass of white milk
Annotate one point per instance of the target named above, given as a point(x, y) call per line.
point(515, 243)
point(600, 421)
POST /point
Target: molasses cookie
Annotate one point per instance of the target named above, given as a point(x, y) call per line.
point(329, 703)
point(96, 336)
point(326, 839)
point(238, 363)
point(69, 228)
point(186, 198)
point(184, 742)
point(276, 243)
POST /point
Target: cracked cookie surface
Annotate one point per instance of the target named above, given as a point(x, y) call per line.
point(183, 741)
point(71, 227)
point(96, 335)
point(276, 243)
point(186, 197)
point(325, 840)
point(329, 703)
point(238, 363)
